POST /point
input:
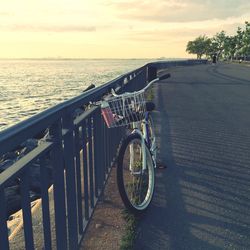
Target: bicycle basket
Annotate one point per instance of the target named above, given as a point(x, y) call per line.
point(123, 110)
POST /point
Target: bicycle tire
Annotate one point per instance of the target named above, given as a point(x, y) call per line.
point(135, 182)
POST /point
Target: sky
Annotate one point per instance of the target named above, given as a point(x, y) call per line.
point(113, 28)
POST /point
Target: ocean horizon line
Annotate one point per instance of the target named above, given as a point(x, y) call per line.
point(94, 58)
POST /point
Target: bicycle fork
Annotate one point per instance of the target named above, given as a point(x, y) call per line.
point(142, 155)
point(152, 144)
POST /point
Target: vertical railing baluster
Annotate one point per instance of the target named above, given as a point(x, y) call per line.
point(113, 144)
point(117, 138)
point(4, 243)
point(59, 186)
point(90, 157)
point(110, 146)
point(94, 154)
point(26, 210)
point(106, 150)
point(97, 151)
point(121, 135)
point(109, 149)
point(103, 167)
point(45, 205)
point(79, 181)
point(70, 180)
point(102, 153)
point(85, 173)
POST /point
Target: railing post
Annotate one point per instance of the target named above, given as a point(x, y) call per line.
point(97, 149)
point(59, 186)
point(78, 180)
point(90, 158)
point(26, 211)
point(85, 172)
point(70, 180)
point(45, 204)
point(152, 73)
point(103, 153)
point(4, 243)
point(106, 150)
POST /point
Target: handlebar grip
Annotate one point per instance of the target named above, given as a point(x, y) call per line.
point(91, 86)
point(164, 76)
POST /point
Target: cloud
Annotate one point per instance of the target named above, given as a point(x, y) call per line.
point(163, 35)
point(180, 32)
point(50, 28)
point(2, 13)
point(179, 10)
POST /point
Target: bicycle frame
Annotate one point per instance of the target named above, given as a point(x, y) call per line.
point(144, 134)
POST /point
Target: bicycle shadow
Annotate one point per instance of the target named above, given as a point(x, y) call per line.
point(165, 225)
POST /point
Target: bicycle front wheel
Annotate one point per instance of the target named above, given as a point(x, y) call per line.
point(135, 184)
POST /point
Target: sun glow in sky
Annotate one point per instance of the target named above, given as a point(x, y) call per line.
point(112, 28)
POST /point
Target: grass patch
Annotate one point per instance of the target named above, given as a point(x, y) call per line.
point(129, 236)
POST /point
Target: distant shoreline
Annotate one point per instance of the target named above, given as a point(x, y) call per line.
point(80, 59)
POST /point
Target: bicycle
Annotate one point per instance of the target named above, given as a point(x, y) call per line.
point(137, 155)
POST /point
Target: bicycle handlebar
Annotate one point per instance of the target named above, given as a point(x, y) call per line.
point(165, 76)
point(91, 86)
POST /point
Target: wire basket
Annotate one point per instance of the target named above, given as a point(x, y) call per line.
point(123, 110)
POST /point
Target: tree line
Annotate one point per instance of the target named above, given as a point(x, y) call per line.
point(222, 45)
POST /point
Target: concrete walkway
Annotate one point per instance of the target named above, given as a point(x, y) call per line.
point(202, 200)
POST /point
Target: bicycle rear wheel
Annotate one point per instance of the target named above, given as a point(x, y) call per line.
point(136, 186)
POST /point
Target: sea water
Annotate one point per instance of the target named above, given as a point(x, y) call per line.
point(28, 87)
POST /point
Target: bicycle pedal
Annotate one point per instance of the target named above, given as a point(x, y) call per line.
point(136, 172)
point(160, 165)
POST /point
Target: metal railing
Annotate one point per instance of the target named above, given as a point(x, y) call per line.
point(80, 152)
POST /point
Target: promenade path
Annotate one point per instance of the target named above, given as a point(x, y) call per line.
point(202, 200)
